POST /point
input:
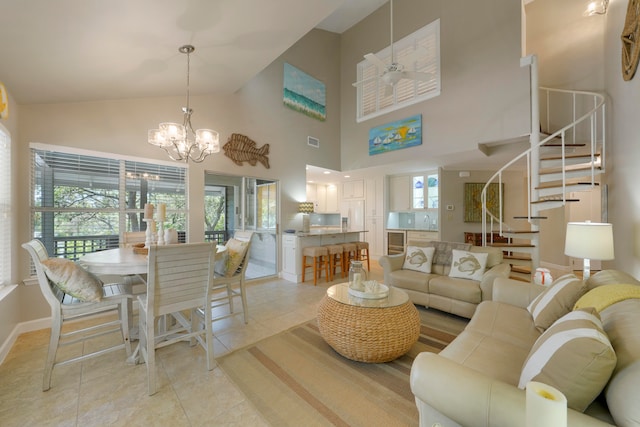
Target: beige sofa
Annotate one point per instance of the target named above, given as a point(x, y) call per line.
point(474, 380)
point(454, 295)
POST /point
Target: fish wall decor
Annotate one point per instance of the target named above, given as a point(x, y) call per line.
point(241, 148)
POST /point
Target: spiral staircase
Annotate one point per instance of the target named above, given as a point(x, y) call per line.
point(566, 157)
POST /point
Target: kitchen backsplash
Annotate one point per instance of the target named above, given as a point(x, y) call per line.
point(324, 220)
point(423, 220)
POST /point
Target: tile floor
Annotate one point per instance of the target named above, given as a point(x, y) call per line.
point(107, 391)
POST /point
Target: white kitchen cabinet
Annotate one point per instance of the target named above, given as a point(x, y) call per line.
point(374, 235)
point(374, 195)
point(290, 254)
point(332, 205)
point(324, 198)
point(321, 200)
point(399, 193)
point(353, 189)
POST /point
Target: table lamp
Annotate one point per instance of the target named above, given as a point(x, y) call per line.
point(589, 240)
point(305, 208)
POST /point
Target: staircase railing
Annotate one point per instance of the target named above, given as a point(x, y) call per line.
point(597, 137)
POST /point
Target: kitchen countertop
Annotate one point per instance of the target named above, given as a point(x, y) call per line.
point(325, 232)
point(413, 229)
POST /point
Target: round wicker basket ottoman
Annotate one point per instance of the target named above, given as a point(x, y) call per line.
point(373, 332)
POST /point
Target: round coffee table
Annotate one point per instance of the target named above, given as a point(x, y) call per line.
point(368, 330)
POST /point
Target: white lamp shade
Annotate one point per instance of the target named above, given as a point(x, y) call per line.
point(591, 240)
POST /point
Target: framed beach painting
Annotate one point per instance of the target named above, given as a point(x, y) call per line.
point(303, 93)
point(403, 133)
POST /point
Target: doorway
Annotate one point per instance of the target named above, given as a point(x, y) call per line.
point(239, 203)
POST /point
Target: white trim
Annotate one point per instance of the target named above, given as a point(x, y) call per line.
point(84, 152)
point(21, 328)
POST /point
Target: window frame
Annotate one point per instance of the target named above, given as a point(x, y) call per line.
point(370, 96)
point(6, 214)
point(121, 173)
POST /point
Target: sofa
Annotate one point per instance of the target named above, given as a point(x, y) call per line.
point(477, 380)
point(432, 284)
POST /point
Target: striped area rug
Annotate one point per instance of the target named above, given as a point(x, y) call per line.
point(295, 378)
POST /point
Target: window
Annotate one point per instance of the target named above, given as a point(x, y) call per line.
point(424, 191)
point(82, 202)
point(373, 96)
point(266, 206)
point(5, 207)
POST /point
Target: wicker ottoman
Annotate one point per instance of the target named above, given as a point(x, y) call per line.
point(372, 331)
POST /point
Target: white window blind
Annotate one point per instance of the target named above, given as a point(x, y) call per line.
point(6, 222)
point(82, 203)
point(373, 98)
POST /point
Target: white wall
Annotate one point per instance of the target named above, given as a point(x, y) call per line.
point(484, 90)
point(120, 127)
point(624, 154)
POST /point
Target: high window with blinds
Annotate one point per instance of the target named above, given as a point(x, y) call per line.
point(6, 223)
point(83, 202)
point(375, 98)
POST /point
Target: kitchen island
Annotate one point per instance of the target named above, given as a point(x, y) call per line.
point(292, 244)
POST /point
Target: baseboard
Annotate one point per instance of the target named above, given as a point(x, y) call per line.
point(21, 328)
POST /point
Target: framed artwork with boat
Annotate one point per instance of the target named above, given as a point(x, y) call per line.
point(403, 133)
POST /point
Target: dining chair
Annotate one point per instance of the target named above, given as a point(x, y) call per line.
point(64, 307)
point(130, 238)
point(179, 281)
point(229, 282)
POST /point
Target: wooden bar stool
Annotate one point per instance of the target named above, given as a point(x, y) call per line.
point(336, 259)
point(363, 252)
point(320, 257)
point(350, 253)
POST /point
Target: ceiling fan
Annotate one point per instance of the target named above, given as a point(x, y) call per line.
point(392, 73)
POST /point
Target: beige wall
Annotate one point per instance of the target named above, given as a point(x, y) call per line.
point(484, 90)
point(623, 173)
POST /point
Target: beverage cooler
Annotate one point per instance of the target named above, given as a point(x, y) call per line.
point(395, 242)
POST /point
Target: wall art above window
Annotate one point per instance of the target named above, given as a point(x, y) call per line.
point(303, 93)
point(396, 135)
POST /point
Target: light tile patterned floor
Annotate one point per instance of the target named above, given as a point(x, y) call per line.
point(107, 391)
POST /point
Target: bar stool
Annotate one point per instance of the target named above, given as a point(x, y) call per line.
point(336, 258)
point(320, 256)
point(362, 252)
point(350, 253)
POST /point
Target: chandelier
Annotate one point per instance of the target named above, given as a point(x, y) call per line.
point(180, 141)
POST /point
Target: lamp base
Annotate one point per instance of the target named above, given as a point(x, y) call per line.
point(586, 269)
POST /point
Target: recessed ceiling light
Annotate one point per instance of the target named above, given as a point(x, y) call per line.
point(347, 176)
point(326, 172)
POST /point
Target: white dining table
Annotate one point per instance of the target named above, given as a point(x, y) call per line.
point(121, 261)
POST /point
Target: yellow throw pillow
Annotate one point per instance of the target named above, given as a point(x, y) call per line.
point(235, 253)
point(602, 297)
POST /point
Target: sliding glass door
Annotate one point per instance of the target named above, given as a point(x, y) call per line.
point(234, 203)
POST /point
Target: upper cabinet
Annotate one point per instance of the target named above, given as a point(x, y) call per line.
point(353, 189)
point(413, 192)
point(324, 197)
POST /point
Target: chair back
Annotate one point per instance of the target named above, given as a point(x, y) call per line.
point(52, 293)
point(242, 268)
point(130, 238)
point(178, 277)
point(243, 235)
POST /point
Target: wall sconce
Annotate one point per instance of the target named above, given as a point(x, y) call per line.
point(597, 7)
point(589, 240)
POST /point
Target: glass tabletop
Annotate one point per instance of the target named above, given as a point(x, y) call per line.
point(340, 293)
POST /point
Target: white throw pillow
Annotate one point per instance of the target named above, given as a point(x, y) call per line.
point(468, 265)
point(73, 279)
point(418, 258)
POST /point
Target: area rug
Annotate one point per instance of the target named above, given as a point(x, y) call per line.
point(295, 378)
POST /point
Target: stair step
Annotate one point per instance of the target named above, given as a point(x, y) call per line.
point(520, 232)
point(552, 203)
point(521, 269)
point(554, 189)
point(516, 258)
point(571, 156)
point(556, 175)
point(517, 276)
point(532, 217)
point(559, 144)
point(511, 245)
point(555, 200)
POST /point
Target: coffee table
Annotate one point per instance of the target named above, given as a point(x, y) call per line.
point(368, 330)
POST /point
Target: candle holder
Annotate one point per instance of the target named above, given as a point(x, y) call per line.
point(161, 240)
point(149, 234)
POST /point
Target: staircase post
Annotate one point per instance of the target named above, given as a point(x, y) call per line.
point(534, 159)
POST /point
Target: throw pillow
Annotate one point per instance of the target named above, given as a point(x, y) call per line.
point(575, 356)
point(73, 279)
point(443, 254)
point(556, 301)
point(606, 295)
point(418, 258)
point(235, 253)
point(220, 267)
point(468, 265)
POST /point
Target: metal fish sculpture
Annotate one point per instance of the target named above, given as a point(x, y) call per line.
point(241, 148)
point(468, 264)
